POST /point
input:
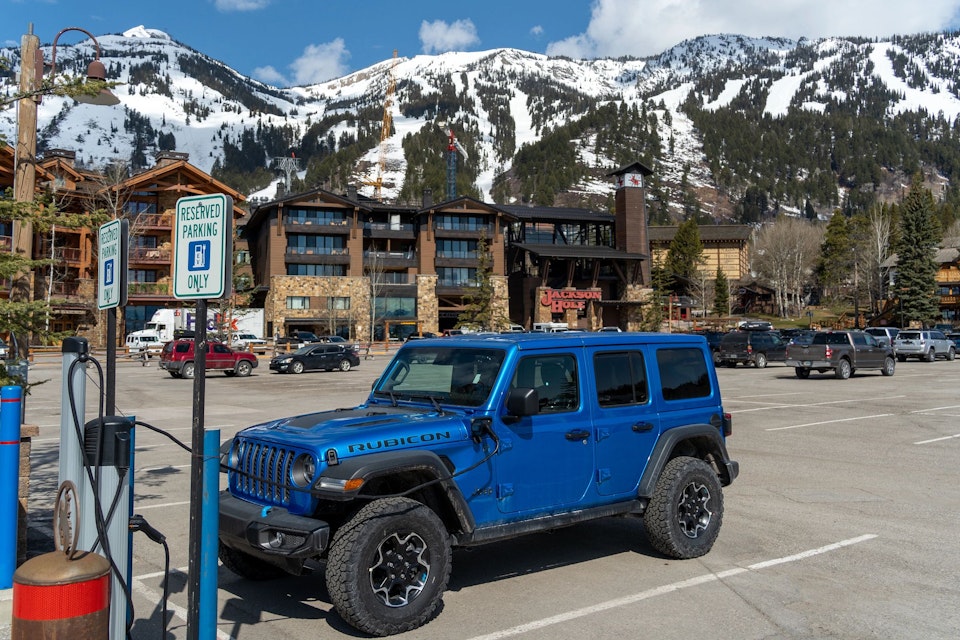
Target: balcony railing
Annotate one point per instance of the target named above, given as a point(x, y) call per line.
point(149, 288)
point(64, 289)
point(152, 221)
point(462, 255)
point(318, 251)
point(388, 226)
point(145, 254)
point(457, 283)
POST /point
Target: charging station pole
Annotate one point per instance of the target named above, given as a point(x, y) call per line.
point(202, 270)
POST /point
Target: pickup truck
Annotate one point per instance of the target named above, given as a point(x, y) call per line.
point(842, 352)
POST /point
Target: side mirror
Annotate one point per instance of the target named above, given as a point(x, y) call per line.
point(523, 402)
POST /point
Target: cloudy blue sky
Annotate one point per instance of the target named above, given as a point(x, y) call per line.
point(292, 42)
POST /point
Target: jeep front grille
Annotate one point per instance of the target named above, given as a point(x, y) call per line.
point(264, 472)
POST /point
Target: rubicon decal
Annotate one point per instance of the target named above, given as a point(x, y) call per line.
point(396, 442)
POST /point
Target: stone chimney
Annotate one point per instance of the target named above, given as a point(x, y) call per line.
point(352, 192)
point(163, 158)
point(427, 198)
point(630, 211)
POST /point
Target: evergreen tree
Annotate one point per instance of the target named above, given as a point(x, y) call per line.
point(684, 257)
point(653, 315)
point(836, 256)
point(721, 294)
point(920, 234)
point(479, 310)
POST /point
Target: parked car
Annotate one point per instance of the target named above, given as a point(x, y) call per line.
point(422, 335)
point(923, 345)
point(955, 337)
point(751, 347)
point(841, 352)
point(884, 335)
point(327, 356)
point(610, 330)
point(178, 358)
point(248, 342)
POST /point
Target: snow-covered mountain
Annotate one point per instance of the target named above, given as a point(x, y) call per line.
point(174, 96)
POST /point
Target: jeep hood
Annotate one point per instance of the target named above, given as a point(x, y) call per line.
point(361, 429)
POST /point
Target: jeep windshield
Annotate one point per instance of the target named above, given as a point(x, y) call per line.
point(451, 375)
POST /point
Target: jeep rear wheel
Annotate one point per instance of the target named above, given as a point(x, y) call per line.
point(685, 512)
point(388, 566)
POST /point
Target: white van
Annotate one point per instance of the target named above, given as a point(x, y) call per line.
point(140, 341)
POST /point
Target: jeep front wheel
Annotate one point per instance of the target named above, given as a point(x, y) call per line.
point(685, 512)
point(388, 566)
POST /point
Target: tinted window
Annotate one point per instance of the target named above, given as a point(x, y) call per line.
point(683, 373)
point(860, 338)
point(908, 335)
point(555, 379)
point(621, 379)
point(183, 347)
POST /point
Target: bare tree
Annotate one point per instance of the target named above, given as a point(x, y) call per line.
point(876, 251)
point(785, 252)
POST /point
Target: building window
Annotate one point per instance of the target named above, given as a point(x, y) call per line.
point(313, 244)
point(298, 302)
point(456, 276)
point(316, 269)
point(316, 216)
point(456, 248)
point(462, 223)
point(243, 257)
point(141, 275)
point(395, 308)
point(338, 303)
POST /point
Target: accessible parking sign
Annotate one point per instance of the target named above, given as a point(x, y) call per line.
point(203, 247)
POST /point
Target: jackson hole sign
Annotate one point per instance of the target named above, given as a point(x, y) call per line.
point(560, 301)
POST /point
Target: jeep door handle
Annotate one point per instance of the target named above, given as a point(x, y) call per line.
point(643, 426)
point(579, 434)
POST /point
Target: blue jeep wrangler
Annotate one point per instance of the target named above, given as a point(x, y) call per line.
point(469, 440)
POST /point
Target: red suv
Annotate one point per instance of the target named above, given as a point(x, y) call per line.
point(177, 359)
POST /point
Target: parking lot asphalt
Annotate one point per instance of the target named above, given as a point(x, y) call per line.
point(842, 524)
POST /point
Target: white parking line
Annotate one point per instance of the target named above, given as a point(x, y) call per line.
point(160, 506)
point(813, 424)
point(952, 406)
point(815, 404)
point(957, 435)
point(669, 588)
point(178, 611)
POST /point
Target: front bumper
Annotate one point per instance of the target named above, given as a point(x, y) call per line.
point(270, 532)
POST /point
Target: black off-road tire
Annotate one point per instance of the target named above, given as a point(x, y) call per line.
point(244, 368)
point(843, 370)
point(685, 512)
point(397, 544)
point(760, 361)
point(802, 372)
point(246, 565)
point(889, 366)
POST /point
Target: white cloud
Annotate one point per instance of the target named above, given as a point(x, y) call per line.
point(438, 36)
point(240, 5)
point(320, 62)
point(536, 31)
point(269, 75)
point(628, 27)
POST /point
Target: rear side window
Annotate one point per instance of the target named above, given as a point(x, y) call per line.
point(909, 335)
point(182, 347)
point(621, 379)
point(555, 379)
point(683, 373)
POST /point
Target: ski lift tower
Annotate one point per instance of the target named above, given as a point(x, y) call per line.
point(288, 166)
point(453, 148)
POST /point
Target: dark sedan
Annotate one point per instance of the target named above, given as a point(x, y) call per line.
point(316, 356)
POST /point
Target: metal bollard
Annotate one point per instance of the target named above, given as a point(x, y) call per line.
point(11, 398)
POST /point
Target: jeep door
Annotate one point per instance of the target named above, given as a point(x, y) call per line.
point(625, 424)
point(546, 460)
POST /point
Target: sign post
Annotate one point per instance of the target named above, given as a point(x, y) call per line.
point(202, 269)
point(112, 255)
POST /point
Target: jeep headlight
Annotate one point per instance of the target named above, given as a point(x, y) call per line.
point(228, 456)
point(304, 470)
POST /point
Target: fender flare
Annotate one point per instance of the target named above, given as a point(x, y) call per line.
point(376, 465)
point(704, 437)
